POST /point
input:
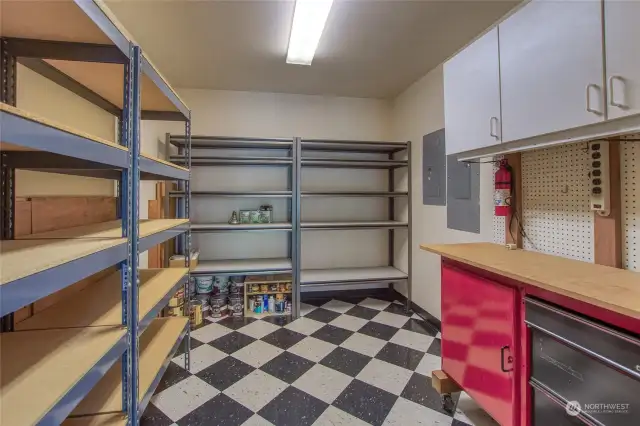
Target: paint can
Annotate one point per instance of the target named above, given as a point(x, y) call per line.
point(204, 285)
point(218, 306)
point(195, 318)
point(236, 306)
point(203, 299)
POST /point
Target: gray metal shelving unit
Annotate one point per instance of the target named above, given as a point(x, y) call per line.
point(345, 277)
point(294, 149)
point(286, 154)
point(49, 368)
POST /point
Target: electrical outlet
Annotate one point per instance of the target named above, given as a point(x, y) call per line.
point(600, 180)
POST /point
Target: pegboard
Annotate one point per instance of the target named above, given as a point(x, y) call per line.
point(630, 173)
point(499, 222)
point(555, 202)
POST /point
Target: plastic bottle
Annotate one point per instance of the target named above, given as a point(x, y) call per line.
point(272, 304)
point(265, 304)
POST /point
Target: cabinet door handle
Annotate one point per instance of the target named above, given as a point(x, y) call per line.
point(491, 132)
point(509, 360)
point(589, 109)
point(611, 101)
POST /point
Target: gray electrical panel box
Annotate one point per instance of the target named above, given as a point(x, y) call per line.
point(434, 182)
point(463, 195)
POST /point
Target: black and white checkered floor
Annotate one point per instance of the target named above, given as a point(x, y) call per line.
point(344, 362)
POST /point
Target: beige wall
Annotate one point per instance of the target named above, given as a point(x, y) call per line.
point(42, 97)
point(418, 111)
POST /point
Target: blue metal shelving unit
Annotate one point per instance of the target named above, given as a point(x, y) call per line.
point(39, 265)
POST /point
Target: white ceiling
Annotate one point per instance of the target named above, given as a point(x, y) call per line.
point(369, 48)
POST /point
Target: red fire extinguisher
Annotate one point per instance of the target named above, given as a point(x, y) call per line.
point(502, 193)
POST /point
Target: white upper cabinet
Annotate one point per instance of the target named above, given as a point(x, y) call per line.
point(551, 67)
point(622, 46)
point(472, 96)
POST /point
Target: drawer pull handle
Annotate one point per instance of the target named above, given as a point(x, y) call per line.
point(509, 359)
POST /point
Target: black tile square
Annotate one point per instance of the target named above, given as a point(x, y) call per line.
point(366, 402)
point(287, 367)
point(350, 299)
point(153, 416)
point(194, 344)
point(398, 310)
point(235, 323)
point(435, 348)
point(280, 320)
point(420, 391)
point(457, 422)
point(346, 361)
point(174, 374)
point(362, 312)
point(225, 372)
point(232, 342)
point(293, 407)
point(283, 338)
point(317, 301)
point(421, 327)
point(401, 356)
point(332, 334)
point(322, 315)
point(220, 411)
point(380, 331)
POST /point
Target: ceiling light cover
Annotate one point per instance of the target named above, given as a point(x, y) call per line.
point(309, 19)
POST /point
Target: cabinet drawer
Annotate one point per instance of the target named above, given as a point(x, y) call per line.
point(549, 411)
point(579, 360)
point(616, 349)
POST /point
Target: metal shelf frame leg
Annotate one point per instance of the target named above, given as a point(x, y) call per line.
point(296, 232)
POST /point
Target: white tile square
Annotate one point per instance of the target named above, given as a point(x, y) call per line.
point(363, 344)
point(469, 412)
point(312, 349)
point(439, 335)
point(417, 341)
point(306, 308)
point(405, 412)
point(348, 322)
point(416, 316)
point(256, 390)
point(376, 304)
point(210, 332)
point(393, 320)
point(338, 306)
point(428, 364)
point(333, 416)
point(182, 398)
point(324, 383)
point(385, 376)
point(256, 420)
point(305, 326)
point(201, 358)
point(257, 354)
point(258, 329)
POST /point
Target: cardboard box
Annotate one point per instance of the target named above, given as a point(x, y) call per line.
point(177, 260)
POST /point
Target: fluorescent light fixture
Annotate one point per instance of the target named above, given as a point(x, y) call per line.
point(309, 19)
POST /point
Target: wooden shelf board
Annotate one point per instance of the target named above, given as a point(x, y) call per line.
point(610, 288)
point(261, 293)
point(111, 229)
point(155, 346)
point(40, 367)
point(21, 258)
point(98, 420)
point(268, 314)
point(168, 163)
point(50, 123)
point(100, 303)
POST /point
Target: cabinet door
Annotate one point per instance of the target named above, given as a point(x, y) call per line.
point(479, 340)
point(551, 68)
point(622, 48)
point(472, 96)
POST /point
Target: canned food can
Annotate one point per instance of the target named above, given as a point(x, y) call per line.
point(177, 311)
point(195, 318)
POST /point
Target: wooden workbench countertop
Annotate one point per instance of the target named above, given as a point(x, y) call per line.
point(617, 290)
